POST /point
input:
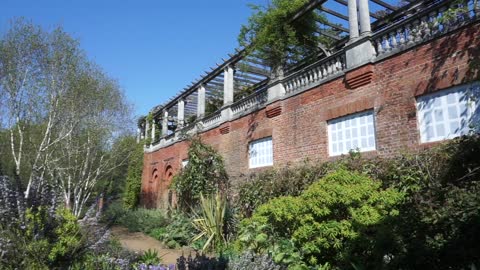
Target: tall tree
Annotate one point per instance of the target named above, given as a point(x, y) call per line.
point(61, 111)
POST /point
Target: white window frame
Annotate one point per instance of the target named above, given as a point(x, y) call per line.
point(184, 163)
point(260, 153)
point(348, 133)
point(442, 111)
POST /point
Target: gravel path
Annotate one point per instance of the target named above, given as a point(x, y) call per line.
point(139, 242)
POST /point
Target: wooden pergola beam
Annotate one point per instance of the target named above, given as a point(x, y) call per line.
point(325, 33)
point(255, 70)
point(332, 25)
point(334, 13)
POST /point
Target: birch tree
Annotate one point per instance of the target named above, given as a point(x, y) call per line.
point(61, 112)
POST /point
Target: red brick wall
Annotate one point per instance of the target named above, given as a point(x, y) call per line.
point(300, 131)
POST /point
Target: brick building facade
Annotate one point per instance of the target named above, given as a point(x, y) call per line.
point(301, 124)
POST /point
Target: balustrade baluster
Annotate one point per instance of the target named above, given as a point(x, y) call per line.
point(401, 36)
point(329, 68)
point(338, 63)
point(387, 43)
point(315, 74)
point(379, 46)
point(324, 72)
point(425, 27)
point(393, 43)
point(418, 31)
point(408, 30)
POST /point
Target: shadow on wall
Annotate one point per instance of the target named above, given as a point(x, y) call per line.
point(157, 192)
point(149, 192)
point(442, 77)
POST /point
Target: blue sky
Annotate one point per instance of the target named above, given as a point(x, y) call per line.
point(153, 48)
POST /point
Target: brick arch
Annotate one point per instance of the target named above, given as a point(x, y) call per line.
point(166, 196)
point(150, 191)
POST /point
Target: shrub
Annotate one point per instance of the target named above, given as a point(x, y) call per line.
point(133, 181)
point(179, 232)
point(113, 212)
point(340, 215)
point(143, 220)
point(204, 174)
point(276, 182)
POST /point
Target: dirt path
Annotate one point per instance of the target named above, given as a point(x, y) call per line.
point(140, 242)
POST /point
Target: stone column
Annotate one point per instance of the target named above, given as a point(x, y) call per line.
point(228, 86)
point(147, 127)
point(353, 19)
point(153, 131)
point(201, 102)
point(165, 123)
point(181, 113)
point(364, 12)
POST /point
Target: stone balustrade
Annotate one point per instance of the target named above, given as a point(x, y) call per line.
point(423, 26)
point(212, 120)
point(315, 73)
point(260, 97)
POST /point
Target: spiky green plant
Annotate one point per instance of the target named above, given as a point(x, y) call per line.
point(210, 222)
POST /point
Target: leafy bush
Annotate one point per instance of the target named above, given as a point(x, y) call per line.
point(133, 183)
point(179, 232)
point(340, 215)
point(42, 240)
point(143, 220)
point(276, 182)
point(201, 262)
point(204, 174)
point(113, 212)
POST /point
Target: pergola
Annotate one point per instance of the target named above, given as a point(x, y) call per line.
point(228, 80)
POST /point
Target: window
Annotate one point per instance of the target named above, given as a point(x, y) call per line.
point(356, 131)
point(449, 113)
point(261, 153)
point(184, 163)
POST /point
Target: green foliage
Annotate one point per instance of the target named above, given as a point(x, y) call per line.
point(204, 174)
point(333, 218)
point(113, 212)
point(68, 235)
point(273, 36)
point(143, 220)
point(177, 233)
point(45, 241)
point(210, 222)
point(150, 257)
point(276, 182)
point(133, 183)
point(97, 262)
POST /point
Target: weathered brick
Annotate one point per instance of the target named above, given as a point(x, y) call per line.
point(299, 131)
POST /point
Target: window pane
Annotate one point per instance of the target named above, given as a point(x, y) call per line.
point(356, 131)
point(261, 153)
point(447, 113)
